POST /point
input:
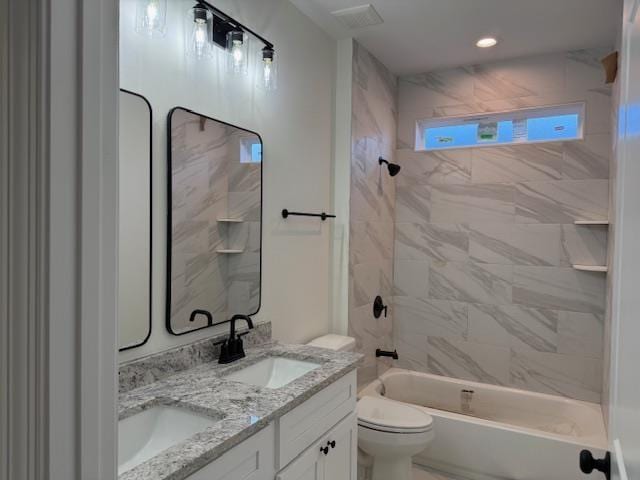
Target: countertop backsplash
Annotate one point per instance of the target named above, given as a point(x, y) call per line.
point(152, 368)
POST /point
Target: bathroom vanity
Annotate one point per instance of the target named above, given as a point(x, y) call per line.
point(283, 412)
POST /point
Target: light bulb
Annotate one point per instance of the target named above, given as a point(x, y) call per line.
point(197, 33)
point(268, 79)
point(236, 53)
point(151, 14)
point(199, 37)
point(237, 45)
point(151, 17)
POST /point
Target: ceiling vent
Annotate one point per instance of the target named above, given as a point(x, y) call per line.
point(358, 17)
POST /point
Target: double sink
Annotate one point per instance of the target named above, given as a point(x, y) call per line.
point(144, 435)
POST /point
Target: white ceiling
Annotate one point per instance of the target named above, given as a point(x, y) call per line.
point(423, 35)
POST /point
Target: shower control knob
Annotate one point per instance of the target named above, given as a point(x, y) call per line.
point(588, 464)
point(332, 444)
point(324, 450)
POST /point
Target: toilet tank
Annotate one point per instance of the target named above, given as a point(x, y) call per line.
point(339, 343)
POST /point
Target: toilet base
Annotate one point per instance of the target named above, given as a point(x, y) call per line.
point(392, 468)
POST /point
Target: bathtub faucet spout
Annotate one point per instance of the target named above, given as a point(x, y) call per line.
point(465, 400)
point(383, 353)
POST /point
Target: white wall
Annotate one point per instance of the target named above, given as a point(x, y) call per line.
point(296, 123)
point(342, 188)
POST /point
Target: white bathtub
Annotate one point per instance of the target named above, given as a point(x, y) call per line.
point(500, 432)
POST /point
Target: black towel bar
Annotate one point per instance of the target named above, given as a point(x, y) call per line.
point(323, 215)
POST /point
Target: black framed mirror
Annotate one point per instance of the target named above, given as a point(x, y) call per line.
point(134, 220)
point(214, 221)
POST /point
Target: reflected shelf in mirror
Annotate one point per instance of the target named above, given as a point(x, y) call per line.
point(230, 220)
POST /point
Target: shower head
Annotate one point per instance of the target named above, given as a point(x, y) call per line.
point(393, 168)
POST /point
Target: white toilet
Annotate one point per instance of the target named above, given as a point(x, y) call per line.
point(390, 432)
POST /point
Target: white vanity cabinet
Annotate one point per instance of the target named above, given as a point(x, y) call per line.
point(332, 458)
point(253, 459)
point(317, 440)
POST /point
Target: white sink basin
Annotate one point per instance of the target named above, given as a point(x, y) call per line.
point(144, 435)
point(273, 372)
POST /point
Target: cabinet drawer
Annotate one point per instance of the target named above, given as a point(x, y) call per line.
point(303, 425)
point(252, 459)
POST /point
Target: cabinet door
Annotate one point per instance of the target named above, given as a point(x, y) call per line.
point(341, 461)
point(253, 459)
point(308, 466)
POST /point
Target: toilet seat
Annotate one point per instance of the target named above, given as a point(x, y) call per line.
point(393, 417)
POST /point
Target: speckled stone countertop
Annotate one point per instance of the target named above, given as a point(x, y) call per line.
point(243, 409)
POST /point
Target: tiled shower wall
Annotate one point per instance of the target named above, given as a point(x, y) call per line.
point(485, 240)
point(372, 208)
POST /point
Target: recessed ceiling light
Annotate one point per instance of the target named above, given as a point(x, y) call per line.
point(486, 42)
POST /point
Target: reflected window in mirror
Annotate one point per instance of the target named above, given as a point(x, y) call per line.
point(134, 227)
point(215, 221)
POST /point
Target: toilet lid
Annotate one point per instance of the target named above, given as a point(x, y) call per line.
point(389, 416)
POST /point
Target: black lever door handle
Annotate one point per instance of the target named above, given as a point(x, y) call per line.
point(588, 464)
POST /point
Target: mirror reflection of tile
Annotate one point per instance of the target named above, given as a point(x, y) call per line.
point(216, 220)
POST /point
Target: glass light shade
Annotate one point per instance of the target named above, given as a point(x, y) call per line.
point(267, 74)
point(151, 17)
point(237, 53)
point(196, 28)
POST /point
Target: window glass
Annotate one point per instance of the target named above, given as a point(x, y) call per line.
point(531, 125)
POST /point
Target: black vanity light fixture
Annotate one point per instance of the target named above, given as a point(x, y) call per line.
point(207, 26)
point(393, 168)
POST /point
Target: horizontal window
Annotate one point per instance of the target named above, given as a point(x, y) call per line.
point(546, 124)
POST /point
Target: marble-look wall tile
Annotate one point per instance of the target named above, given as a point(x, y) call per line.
point(412, 349)
point(514, 244)
point(494, 226)
point(519, 328)
point(370, 241)
point(580, 334)
point(472, 203)
point(431, 241)
point(559, 288)
point(434, 168)
point(369, 280)
point(471, 282)
point(562, 202)
point(411, 278)
point(588, 158)
point(439, 318)
point(565, 375)
point(372, 208)
point(584, 245)
point(521, 77)
point(413, 204)
point(542, 161)
point(597, 119)
point(468, 361)
point(584, 68)
point(446, 87)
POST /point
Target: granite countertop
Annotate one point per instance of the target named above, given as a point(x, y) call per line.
point(244, 409)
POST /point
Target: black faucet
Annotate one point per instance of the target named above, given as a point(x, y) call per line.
point(232, 348)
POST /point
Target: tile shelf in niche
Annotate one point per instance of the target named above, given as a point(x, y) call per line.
point(229, 251)
point(591, 222)
point(592, 268)
point(230, 220)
